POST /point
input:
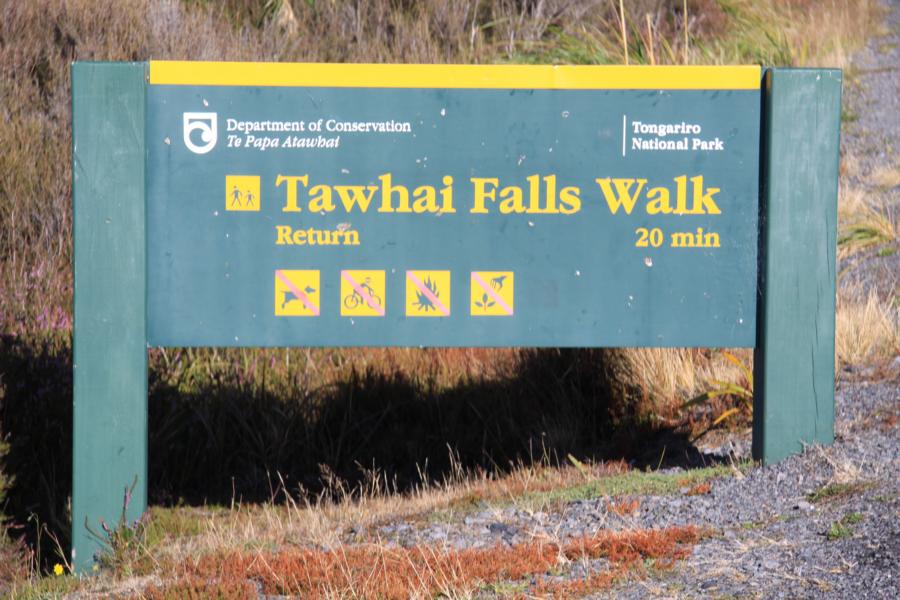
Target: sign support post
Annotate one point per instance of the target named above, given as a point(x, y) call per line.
point(794, 357)
point(110, 333)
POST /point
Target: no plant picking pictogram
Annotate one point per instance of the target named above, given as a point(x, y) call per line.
point(492, 293)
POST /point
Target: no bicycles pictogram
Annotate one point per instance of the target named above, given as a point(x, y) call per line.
point(362, 293)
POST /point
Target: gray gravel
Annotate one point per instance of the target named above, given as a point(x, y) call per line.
point(772, 537)
point(871, 143)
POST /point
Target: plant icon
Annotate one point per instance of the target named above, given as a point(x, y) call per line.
point(486, 301)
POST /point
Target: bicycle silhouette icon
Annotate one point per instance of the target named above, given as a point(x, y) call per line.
point(355, 298)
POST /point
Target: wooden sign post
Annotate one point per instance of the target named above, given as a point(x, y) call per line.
point(242, 204)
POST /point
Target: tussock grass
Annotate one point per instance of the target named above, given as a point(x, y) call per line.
point(666, 376)
point(886, 177)
point(864, 220)
point(866, 329)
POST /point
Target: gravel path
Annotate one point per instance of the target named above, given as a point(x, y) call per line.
point(870, 145)
point(825, 524)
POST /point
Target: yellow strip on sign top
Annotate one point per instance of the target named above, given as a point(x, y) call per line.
point(532, 77)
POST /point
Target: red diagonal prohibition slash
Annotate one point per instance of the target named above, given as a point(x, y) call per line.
point(428, 293)
point(362, 292)
point(298, 293)
point(494, 295)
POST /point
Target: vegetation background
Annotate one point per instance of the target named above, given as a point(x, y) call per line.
point(229, 424)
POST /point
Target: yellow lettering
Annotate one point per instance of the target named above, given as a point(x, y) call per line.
point(387, 192)
point(284, 235)
point(511, 200)
point(447, 195)
point(482, 193)
point(353, 195)
point(425, 199)
point(570, 199)
point(622, 196)
point(320, 199)
point(290, 203)
point(681, 195)
point(658, 201)
point(703, 202)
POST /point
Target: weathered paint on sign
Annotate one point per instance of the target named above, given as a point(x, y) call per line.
point(338, 204)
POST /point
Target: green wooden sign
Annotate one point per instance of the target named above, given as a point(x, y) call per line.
point(242, 204)
point(588, 213)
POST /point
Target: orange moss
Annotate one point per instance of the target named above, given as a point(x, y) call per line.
point(700, 489)
point(377, 571)
point(623, 507)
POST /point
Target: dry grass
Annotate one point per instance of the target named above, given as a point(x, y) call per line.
point(378, 571)
point(325, 521)
point(863, 220)
point(886, 177)
point(669, 375)
point(850, 165)
point(866, 330)
point(827, 32)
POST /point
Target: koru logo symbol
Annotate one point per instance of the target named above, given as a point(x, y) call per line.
point(207, 124)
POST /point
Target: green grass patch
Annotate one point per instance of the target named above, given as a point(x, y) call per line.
point(852, 518)
point(636, 483)
point(836, 491)
point(862, 235)
point(843, 528)
point(848, 116)
point(168, 523)
point(46, 588)
point(838, 531)
point(507, 589)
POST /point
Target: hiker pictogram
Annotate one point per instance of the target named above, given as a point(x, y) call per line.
point(492, 294)
point(362, 293)
point(242, 193)
point(297, 293)
point(428, 293)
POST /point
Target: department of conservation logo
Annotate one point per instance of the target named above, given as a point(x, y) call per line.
point(207, 124)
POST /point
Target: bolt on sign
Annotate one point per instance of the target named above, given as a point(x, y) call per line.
point(251, 204)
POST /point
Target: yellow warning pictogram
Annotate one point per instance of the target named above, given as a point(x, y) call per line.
point(362, 293)
point(428, 293)
point(492, 293)
point(297, 293)
point(242, 192)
